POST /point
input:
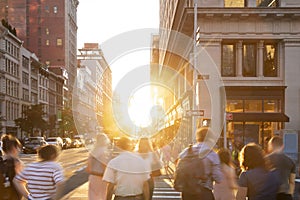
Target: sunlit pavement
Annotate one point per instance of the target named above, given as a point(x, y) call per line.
point(163, 190)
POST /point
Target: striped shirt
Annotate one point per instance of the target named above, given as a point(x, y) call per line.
point(41, 178)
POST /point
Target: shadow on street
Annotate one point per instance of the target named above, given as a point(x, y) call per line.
point(79, 178)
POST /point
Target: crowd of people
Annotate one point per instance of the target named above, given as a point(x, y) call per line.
point(264, 175)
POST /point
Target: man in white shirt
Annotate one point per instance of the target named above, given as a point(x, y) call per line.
point(127, 175)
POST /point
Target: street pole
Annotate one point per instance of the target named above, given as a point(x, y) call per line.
point(195, 83)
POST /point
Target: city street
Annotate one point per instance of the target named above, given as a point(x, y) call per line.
point(73, 162)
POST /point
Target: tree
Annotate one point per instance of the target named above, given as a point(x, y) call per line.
point(33, 119)
point(67, 124)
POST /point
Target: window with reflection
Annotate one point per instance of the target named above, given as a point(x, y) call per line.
point(253, 106)
point(249, 60)
point(270, 60)
point(234, 106)
point(228, 60)
point(271, 106)
point(234, 3)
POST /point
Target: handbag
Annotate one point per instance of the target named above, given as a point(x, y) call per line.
point(97, 168)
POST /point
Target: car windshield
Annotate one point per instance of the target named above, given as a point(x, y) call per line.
point(51, 140)
point(34, 142)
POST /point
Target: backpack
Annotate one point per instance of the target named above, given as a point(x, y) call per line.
point(190, 173)
point(7, 173)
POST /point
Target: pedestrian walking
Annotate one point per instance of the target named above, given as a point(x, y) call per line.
point(146, 151)
point(10, 165)
point(255, 181)
point(211, 168)
point(225, 189)
point(127, 174)
point(42, 180)
point(97, 161)
point(287, 168)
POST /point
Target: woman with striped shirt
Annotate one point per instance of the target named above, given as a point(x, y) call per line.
point(42, 180)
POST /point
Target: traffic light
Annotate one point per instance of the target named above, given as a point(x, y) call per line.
point(206, 122)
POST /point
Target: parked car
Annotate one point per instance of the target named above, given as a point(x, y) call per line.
point(80, 139)
point(55, 141)
point(75, 143)
point(67, 143)
point(32, 146)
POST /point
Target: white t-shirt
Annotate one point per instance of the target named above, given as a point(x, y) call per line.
point(128, 172)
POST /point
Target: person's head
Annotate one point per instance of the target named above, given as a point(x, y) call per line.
point(102, 140)
point(48, 153)
point(201, 133)
point(11, 145)
point(144, 145)
point(224, 155)
point(125, 144)
point(251, 156)
point(275, 144)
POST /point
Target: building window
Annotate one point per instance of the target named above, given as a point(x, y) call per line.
point(47, 42)
point(270, 60)
point(235, 106)
point(59, 42)
point(47, 9)
point(249, 60)
point(234, 3)
point(253, 106)
point(25, 78)
point(25, 62)
point(272, 106)
point(55, 9)
point(47, 31)
point(228, 60)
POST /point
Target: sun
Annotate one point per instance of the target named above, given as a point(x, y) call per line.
point(139, 107)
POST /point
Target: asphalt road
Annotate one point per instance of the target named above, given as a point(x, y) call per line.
point(73, 162)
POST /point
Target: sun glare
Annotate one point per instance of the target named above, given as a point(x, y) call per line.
point(140, 104)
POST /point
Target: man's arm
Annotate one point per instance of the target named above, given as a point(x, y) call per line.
point(21, 187)
point(216, 168)
point(60, 186)
point(109, 190)
point(241, 193)
point(146, 191)
point(292, 183)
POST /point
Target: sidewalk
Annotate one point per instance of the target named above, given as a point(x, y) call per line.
point(81, 192)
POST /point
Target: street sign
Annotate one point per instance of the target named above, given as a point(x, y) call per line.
point(195, 112)
point(229, 116)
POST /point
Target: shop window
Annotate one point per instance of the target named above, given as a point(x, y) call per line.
point(253, 106)
point(249, 60)
point(234, 106)
point(270, 60)
point(271, 106)
point(234, 3)
point(228, 60)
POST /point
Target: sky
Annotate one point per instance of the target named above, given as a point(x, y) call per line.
point(101, 20)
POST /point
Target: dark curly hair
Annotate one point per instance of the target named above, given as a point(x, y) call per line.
point(251, 156)
point(48, 152)
point(9, 142)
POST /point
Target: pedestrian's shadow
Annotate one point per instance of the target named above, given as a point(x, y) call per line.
point(78, 179)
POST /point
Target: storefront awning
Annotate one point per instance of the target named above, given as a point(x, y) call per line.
point(259, 117)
